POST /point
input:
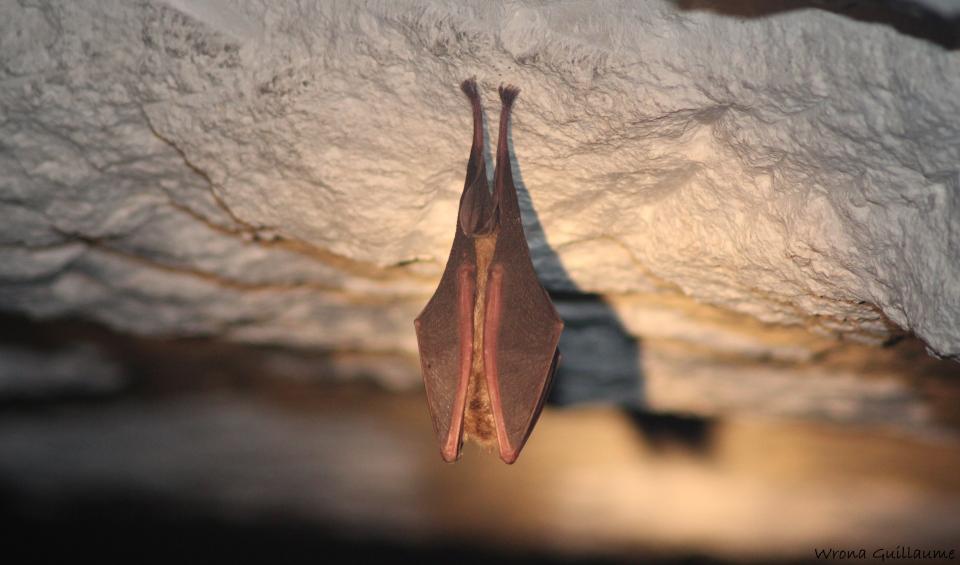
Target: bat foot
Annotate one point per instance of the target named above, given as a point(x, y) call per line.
point(469, 87)
point(508, 93)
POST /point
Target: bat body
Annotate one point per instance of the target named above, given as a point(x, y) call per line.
point(488, 337)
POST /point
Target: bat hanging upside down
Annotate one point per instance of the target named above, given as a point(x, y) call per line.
point(488, 337)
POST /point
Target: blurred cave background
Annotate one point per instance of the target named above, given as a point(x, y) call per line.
point(219, 218)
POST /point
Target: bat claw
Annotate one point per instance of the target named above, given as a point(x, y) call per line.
point(469, 87)
point(508, 93)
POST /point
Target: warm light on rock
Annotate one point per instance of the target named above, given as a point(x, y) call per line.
point(270, 174)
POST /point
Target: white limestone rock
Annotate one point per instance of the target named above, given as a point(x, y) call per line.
point(270, 171)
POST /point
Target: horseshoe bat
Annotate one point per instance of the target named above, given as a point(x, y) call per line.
point(488, 336)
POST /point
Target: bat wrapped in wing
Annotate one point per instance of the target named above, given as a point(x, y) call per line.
point(488, 337)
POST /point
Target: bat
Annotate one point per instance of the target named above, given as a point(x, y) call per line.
point(488, 337)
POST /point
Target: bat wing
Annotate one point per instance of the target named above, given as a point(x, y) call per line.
point(521, 325)
point(445, 327)
point(445, 338)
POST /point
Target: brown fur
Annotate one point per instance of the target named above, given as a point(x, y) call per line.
point(478, 423)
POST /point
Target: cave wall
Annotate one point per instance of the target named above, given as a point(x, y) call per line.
point(768, 185)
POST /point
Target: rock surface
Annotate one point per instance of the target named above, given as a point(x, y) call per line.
point(757, 185)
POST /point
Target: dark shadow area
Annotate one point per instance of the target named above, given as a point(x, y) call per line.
point(906, 18)
point(601, 361)
point(113, 526)
point(668, 431)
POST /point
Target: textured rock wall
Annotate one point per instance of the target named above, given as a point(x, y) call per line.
point(289, 173)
